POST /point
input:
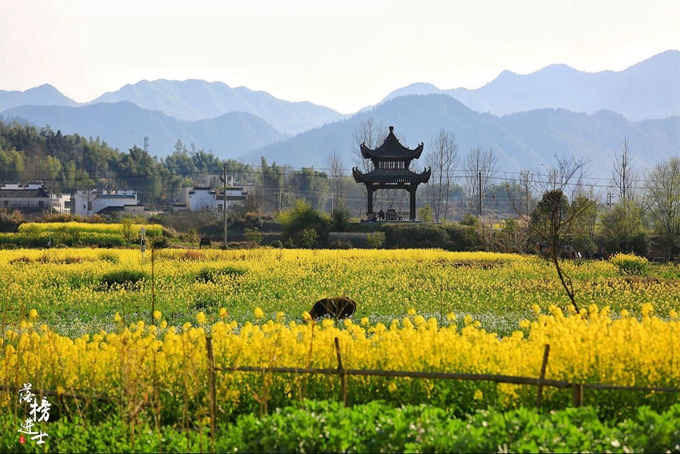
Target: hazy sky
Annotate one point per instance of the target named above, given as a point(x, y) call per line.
point(343, 54)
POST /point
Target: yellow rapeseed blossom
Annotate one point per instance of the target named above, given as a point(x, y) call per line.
point(33, 313)
point(451, 317)
point(117, 318)
point(200, 318)
point(258, 313)
point(478, 395)
point(157, 315)
point(411, 312)
point(222, 312)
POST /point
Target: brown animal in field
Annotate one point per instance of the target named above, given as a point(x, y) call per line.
point(337, 308)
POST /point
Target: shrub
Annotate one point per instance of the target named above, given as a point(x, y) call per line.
point(375, 239)
point(253, 235)
point(209, 274)
point(340, 219)
point(9, 222)
point(121, 278)
point(425, 214)
point(630, 264)
point(341, 244)
point(277, 244)
point(303, 217)
point(126, 229)
point(109, 257)
point(309, 238)
point(160, 243)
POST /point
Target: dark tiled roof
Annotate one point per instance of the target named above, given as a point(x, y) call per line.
point(23, 193)
point(391, 149)
point(391, 176)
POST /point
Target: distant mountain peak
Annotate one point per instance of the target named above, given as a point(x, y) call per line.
point(645, 90)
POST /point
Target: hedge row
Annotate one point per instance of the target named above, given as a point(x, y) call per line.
point(375, 427)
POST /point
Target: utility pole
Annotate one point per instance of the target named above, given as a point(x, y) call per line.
point(224, 206)
point(479, 183)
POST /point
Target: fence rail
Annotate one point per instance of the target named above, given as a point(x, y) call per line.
point(343, 373)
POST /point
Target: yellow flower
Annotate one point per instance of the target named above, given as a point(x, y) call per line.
point(478, 395)
point(364, 321)
point(411, 312)
point(33, 313)
point(164, 324)
point(200, 318)
point(306, 317)
point(279, 316)
point(647, 309)
point(536, 308)
point(258, 313)
point(524, 324)
point(392, 387)
point(117, 318)
point(451, 317)
point(673, 313)
point(157, 315)
point(223, 312)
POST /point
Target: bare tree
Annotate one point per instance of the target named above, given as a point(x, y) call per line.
point(663, 199)
point(480, 168)
point(555, 216)
point(443, 159)
point(336, 170)
point(624, 177)
point(370, 134)
point(526, 184)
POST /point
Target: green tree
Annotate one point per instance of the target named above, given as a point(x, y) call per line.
point(622, 229)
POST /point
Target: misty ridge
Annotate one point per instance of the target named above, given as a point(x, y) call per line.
point(525, 119)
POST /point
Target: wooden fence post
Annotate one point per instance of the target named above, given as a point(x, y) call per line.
point(211, 383)
point(343, 375)
point(539, 396)
point(578, 395)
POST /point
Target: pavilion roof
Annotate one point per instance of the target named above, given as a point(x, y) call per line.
point(398, 176)
point(391, 149)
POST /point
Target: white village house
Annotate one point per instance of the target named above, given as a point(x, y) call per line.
point(87, 202)
point(31, 197)
point(203, 198)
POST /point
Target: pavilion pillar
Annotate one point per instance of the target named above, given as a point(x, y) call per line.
point(412, 193)
point(369, 208)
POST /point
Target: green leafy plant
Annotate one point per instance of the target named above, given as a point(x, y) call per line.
point(375, 239)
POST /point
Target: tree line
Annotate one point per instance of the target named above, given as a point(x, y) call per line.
point(634, 206)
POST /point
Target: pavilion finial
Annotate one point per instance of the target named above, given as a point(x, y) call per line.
point(391, 128)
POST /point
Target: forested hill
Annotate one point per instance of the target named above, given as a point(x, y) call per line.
point(125, 124)
point(69, 162)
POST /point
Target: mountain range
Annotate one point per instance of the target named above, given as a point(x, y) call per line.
point(526, 119)
point(124, 124)
point(646, 90)
point(192, 100)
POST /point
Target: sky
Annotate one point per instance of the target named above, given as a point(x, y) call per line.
point(343, 54)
